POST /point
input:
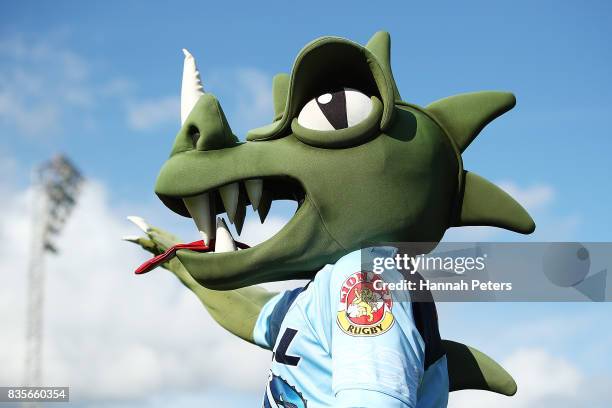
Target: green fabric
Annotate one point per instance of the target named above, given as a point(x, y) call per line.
point(469, 368)
point(380, 46)
point(331, 62)
point(280, 89)
point(235, 310)
point(262, 133)
point(300, 246)
point(399, 186)
point(397, 176)
point(208, 120)
point(486, 204)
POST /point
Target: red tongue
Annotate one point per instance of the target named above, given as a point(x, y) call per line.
point(197, 246)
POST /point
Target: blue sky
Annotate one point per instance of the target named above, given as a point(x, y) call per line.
point(100, 82)
point(554, 56)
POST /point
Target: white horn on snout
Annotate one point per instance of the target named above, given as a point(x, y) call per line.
point(191, 88)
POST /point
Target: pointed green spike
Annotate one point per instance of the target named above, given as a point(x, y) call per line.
point(470, 369)
point(486, 204)
point(380, 45)
point(280, 89)
point(464, 116)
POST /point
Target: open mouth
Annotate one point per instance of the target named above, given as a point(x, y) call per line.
point(207, 207)
point(232, 199)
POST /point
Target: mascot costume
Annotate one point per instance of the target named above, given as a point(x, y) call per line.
point(364, 167)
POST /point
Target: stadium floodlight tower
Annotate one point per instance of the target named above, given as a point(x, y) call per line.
point(56, 186)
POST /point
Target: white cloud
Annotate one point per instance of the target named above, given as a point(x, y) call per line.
point(117, 87)
point(544, 381)
point(43, 83)
point(533, 197)
point(470, 234)
point(148, 114)
point(110, 334)
point(39, 80)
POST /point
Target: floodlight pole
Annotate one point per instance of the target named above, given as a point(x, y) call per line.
point(56, 186)
point(35, 291)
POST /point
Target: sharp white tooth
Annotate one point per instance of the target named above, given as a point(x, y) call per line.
point(254, 189)
point(264, 205)
point(224, 241)
point(229, 196)
point(240, 215)
point(200, 210)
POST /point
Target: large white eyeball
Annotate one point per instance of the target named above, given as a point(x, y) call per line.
point(335, 110)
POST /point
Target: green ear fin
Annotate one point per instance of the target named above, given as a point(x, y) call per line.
point(280, 89)
point(380, 45)
point(484, 203)
point(464, 116)
point(470, 369)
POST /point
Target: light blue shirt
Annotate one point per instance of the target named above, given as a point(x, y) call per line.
point(341, 341)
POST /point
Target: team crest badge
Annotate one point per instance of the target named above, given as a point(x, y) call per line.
point(365, 307)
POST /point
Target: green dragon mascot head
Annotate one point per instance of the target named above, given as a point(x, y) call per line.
point(363, 165)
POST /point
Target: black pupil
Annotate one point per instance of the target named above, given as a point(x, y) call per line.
point(335, 109)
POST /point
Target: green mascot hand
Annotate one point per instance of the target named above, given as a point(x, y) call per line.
point(236, 310)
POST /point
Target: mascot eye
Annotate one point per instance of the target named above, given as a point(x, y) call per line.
point(335, 110)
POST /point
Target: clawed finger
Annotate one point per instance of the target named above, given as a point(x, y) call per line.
point(140, 223)
point(132, 238)
point(144, 242)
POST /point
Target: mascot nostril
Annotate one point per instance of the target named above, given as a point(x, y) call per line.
point(206, 126)
point(363, 166)
point(203, 123)
point(194, 134)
